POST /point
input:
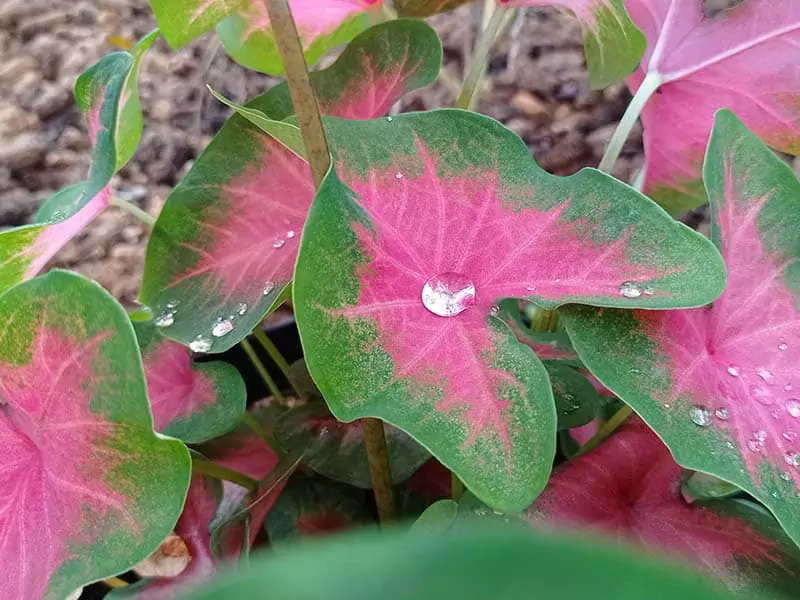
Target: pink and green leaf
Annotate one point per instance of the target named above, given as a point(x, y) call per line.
point(194, 402)
point(314, 506)
point(613, 43)
point(454, 194)
point(224, 246)
point(244, 26)
point(107, 94)
point(720, 384)
point(629, 488)
point(742, 59)
point(88, 488)
point(336, 450)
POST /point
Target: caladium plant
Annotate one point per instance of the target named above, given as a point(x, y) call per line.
point(718, 383)
point(468, 323)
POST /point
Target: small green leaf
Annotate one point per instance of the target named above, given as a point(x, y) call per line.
point(437, 518)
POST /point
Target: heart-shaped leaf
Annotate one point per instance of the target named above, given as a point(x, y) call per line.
point(720, 384)
point(88, 490)
point(313, 506)
point(743, 59)
point(225, 244)
point(614, 45)
point(107, 93)
point(446, 213)
point(337, 450)
point(629, 488)
point(244, 26)
point(194, 402)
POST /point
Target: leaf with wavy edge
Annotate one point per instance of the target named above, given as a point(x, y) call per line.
point(88, 490)
point(733, 366)
point(744, 59)
point(194, 402)
point(224, 245)
point(613, 44)
point(107, 94)
point(629, 489)
point(244, 26)
point(455, 195)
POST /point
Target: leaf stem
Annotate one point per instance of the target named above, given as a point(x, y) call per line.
point(249, 420)
point(274, 354)
point(607, 429)
point(115, 582)
point(379, 467)
point(212, 469)
point(305, 103)
point(543, 320)
point(500, 18)
point(262, 370)
point(134, 210)
point(649, 85)
point(457, 487)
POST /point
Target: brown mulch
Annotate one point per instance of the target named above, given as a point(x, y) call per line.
point(537, 86)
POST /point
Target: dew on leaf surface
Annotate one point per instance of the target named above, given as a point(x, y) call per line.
point(630, 290)
point(241, 310)
point(268, 287)
point(165, 319)
point(783, 346)
point(733, 371)
point(793, 406)
point(785, 476)
point(278, 243)
point(766, 375)
point(200, 344)
point(222, 327)
point(792, 458)
point(448, 294)
point(790, 436)
point(701, 416)
point(173, 304)
point(723, 414)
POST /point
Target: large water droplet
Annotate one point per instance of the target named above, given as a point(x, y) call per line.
point(630, 290)
point(701, 416)
point(241, 310)
point(733, 371)
point(200, 344)
point(793, 406)
point(222, 327)
point(722, 414)
point(165, 319)
point(448, 294)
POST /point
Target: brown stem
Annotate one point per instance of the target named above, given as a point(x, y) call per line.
point(290, 48)
point(379, 467)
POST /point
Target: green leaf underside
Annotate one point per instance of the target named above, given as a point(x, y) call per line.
point(464, 387)
point(482, 563)
point(229, 232)
point(96, 491)
point(425, 8)
point(193, 402)
point(734, 365)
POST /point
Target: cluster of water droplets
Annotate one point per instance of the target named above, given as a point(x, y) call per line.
point(221, 327)
point(280, 241)
point(631, 289)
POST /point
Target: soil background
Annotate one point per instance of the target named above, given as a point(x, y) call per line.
point(537, 86)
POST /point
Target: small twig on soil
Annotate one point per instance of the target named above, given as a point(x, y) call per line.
point(305, 103)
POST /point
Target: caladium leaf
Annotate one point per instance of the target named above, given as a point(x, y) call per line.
point(629, 488)
point(576, 399)
point(225, 243)
point(337, 450)
point(437, 518)
point(703, 64)
point(425, 8)
point(193, 402)
point(719, 384)
point(244, 26)
point(107, 94)
point(313, 506)
point(547, 346)
point(614, 45)
point(446, 213)
point(88, 490)
point(701, 486)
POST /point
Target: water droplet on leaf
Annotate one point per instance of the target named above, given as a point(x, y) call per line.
point(701, 416)
point(649, 291)
point(793, 406)
point(398, 176)
point(722, 414)
point(630, 290)
point(241, 310)
point(268, 287)
point(785, 476)
point(278, 243)
point(389, 119)
point(760, 435)
point(200, 344)
point(165, 319)
point(733, 371)
point(783, 346)
point(172, 304)
point(789, 436)
point(792, 458)
point(766, 375)
point(448, 294)
point(222, 327)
